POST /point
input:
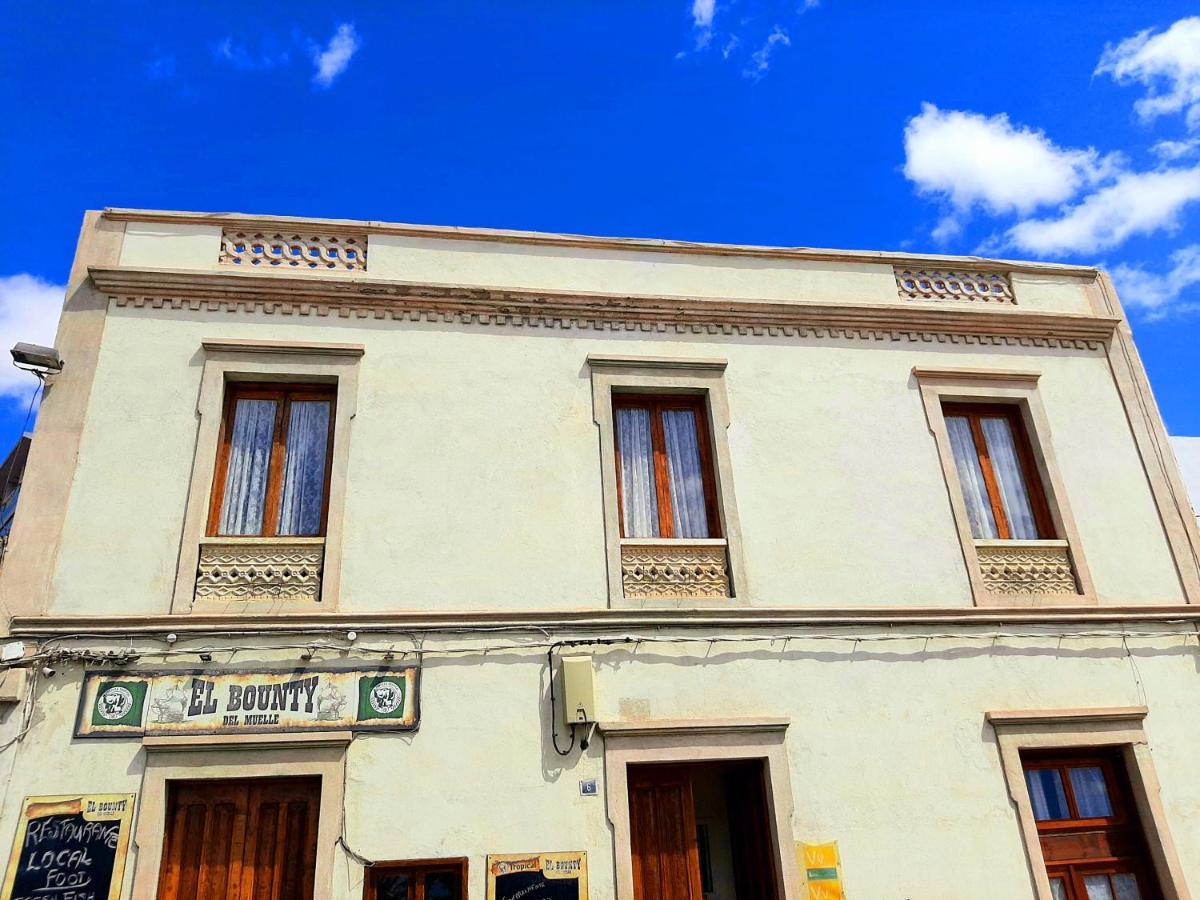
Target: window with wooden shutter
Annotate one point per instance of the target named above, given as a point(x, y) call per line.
point(665, 481)
point(273, 465)
point(997, 472)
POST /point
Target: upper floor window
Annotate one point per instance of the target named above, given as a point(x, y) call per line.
point(273, 462)
point(1000, 484)
point(665, 484)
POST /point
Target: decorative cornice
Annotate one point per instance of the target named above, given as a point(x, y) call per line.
point(924, 373)
point(643, 245)
point(579, 620)
point(1009, 718)
point(691, 727)
point(303, 348)
point(673, 363)
point(325, 295)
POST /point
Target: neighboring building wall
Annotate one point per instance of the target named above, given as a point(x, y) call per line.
point(1187, 452)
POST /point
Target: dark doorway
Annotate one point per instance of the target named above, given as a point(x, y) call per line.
point(701, 832)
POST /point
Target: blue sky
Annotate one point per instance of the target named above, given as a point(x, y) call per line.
point(1052, 130)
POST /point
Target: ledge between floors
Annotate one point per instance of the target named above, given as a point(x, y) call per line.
point(591, 620)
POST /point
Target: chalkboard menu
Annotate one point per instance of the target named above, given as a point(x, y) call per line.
point(537, 876)
point(68, 848)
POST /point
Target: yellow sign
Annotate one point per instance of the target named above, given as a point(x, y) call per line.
point(537, 876)
point(822, 867)
point(70, 847)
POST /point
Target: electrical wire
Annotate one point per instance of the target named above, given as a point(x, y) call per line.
point(553, 724)
point(40, 389)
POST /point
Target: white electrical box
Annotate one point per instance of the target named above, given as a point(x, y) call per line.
point(579, 690)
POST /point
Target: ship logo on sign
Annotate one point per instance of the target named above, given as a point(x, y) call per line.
point(386, 697)
point(115, 703)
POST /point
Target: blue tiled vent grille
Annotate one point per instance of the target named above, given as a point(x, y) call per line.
point(298, 250)
point(943, 284)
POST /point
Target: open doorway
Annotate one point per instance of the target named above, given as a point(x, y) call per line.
point(701, 831)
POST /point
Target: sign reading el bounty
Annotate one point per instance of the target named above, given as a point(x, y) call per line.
point(122, 704)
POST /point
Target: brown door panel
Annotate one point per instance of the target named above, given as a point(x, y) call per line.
point(252, 839)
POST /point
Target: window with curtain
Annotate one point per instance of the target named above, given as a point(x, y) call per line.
point(272, 476)
point(997, 473)
point(665, 483)
point(1092, 842)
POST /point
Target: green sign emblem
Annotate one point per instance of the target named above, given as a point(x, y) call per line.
point(119, 703)
point(381, 697)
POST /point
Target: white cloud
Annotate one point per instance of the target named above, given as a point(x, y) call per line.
point(240, 57)
point(1135, 203)
point(1173, 150)
point(333, 60)
point(760, 59)
point(1166, 64)
point(970, 159)
point(29, 309)
point(1159, 294)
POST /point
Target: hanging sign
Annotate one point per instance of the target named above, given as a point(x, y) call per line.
point(537, 876)
point(124, 703)
point(822, 868)
point(70, 848)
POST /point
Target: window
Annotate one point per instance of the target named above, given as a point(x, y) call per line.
point(273, 462)
point(665, 486)
point(443, 879)
point(1091, 839)
point(994, 460)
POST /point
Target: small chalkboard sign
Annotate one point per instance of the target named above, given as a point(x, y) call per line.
point(69, 847)
point(537, 876)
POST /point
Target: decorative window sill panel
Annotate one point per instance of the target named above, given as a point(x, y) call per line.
point(1024, 568)
point(670, 569)
point(237, 570)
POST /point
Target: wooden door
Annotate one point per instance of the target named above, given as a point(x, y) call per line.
point(662, 831)
point(253, 839)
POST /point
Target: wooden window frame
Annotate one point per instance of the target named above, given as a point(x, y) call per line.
point(974, 413)
point(1124, 817)
point(422, 867)
point(1062, 761)
point(657, 404)
point(283, 394)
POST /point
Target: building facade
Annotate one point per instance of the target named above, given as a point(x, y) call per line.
point(375, 560)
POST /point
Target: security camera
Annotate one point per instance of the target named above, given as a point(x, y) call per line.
point(49, 671)
point(36, 358)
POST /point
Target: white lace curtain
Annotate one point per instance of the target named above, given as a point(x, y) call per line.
point(249, 464)
point(302, 493)
point(685, 482)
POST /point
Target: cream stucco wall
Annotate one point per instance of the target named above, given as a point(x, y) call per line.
point(474, 477)
point(888, 749)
